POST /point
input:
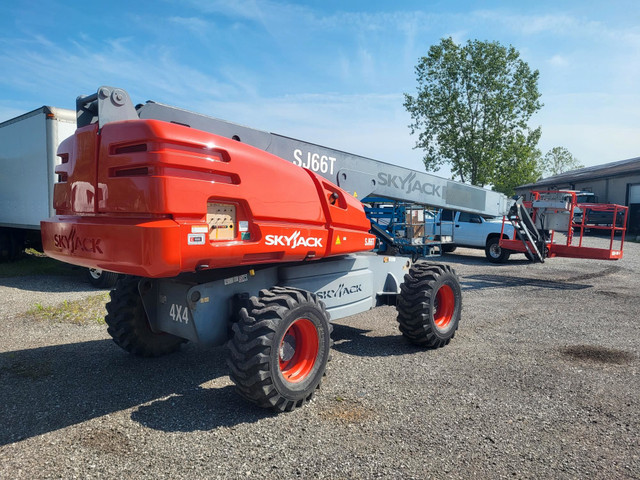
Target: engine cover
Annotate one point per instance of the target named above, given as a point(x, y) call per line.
point(155, 199)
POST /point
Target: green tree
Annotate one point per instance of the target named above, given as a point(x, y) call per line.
point(472, 109)
point(520, 164)
point(559, 160)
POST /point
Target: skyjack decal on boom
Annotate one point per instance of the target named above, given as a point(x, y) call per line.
point(409, 184)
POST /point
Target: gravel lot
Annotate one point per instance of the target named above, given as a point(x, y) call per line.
point(541, 381)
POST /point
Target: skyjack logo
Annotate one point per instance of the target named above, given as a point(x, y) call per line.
point(74, 244)
point(294, 241)
point(339, 292)
point(409, 184)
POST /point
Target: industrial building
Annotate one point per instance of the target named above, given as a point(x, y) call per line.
point(615, 182)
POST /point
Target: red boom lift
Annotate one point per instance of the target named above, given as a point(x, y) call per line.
point(231, 235)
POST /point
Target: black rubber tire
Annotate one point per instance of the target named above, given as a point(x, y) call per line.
point(429, 305)
point(6, 250)
point(128, 324)
point(11, 245)
point(448, 248)
point(495, 253)
point(101, 278)
point(257, 346)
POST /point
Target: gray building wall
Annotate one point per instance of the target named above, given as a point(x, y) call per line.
point(608, 190)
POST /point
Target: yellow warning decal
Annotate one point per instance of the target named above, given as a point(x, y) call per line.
point(355, 194)
point(338, 241)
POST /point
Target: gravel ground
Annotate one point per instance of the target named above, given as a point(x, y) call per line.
point(541, 381)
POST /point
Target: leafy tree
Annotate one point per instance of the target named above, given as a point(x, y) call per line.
point(471, 111)
point(559, 160)
point(520, 164)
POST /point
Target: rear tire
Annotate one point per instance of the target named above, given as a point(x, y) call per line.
point(429, 305)
point(494, 252)
point(128, 324)
point(280, 347)
point(101, 278)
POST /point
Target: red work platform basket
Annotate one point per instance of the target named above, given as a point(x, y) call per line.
point(561, 223)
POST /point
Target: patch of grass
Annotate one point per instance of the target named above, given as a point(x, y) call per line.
point(35, 263)
point(79, 312)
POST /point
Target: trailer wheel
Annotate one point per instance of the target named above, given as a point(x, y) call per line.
point(128, 324)
point(11, 245)
point(101, 278)
point(429, 305)
point(6, 249)
point(494, 252)
point(279, 349)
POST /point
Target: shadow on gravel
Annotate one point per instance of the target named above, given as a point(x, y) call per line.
point(46, 389)
point(478, 282)
point(354, 341)
point(597, 354)
point(462, 259)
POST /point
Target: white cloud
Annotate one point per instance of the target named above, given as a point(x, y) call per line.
point(595, 127)
point(558, 61)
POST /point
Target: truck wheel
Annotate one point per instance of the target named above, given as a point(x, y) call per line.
point(448, 248)
point(279, 349)
point(429, 305)
point(101, 278)
point(494, 252)
point(128, 324)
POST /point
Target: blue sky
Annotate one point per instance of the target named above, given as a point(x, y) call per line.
point(326, 71)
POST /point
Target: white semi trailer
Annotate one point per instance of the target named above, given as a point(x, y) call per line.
point(28, 146)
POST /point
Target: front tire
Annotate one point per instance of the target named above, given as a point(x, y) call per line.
point(429, 305)
point(279, 349)
point(449, 248)
point(128, 324)
point(494, 252)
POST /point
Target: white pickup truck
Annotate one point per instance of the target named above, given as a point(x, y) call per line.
point(461, 229)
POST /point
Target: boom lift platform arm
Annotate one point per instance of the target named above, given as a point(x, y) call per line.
point(226, 243)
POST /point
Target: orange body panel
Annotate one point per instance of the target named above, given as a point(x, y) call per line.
point(138, 196)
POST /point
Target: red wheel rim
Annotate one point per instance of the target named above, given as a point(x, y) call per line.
point(445, 305)
point(298, 350)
